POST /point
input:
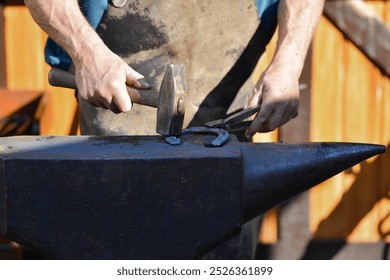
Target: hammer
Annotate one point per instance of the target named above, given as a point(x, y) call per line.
point(169, 101)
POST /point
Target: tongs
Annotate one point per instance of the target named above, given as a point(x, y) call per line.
point(236, 122)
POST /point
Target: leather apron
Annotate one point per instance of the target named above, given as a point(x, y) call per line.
point(219, 42)
point(215, 40)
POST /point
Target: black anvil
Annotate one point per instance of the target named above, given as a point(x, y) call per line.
point(136, 197)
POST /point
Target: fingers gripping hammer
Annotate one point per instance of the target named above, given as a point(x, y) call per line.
point(169, 101)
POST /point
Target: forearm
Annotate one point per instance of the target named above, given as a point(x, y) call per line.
point(277, 90)
point(66, 25)
point(101, 75)
point(297, 23)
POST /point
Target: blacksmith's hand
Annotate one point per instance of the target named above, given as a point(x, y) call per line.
point(277, 93)
point(102, 77)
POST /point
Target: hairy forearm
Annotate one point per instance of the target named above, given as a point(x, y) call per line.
point(277, 90)
point(65, 24)
point(101, 75)
point(297, 23)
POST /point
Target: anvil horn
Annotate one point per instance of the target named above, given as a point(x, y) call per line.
point(281, 171)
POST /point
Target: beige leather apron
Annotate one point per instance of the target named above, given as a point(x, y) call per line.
point(208, 36)
point(219, 44)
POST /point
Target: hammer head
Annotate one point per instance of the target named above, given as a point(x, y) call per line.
point(171, 101)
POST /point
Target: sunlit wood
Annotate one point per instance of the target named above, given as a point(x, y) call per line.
point(27, 70)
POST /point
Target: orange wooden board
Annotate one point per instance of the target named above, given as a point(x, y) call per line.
point(12, 101)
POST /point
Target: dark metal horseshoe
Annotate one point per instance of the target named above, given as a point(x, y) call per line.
point(219, 141)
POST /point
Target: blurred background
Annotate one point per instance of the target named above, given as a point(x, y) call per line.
point(345, 97)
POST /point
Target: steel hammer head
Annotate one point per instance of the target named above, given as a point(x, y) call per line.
point(171, 101)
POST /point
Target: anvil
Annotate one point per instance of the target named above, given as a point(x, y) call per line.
point(137, 197)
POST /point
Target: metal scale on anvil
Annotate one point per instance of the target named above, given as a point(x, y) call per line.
point(173, 196)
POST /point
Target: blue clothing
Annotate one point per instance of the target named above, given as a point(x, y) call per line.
point(94, 10)
point(263, 5)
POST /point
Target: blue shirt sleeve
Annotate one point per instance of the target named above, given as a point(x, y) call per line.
point(93, 10)
point(264, 6)
point(268, 14)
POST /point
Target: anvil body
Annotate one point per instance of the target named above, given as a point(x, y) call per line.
point(136, 197)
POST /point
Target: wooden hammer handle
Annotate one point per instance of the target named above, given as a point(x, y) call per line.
point(61, 78)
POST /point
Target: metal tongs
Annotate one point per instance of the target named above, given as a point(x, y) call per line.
point(236, 122)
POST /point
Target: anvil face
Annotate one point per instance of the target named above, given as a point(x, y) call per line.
point(134, 197)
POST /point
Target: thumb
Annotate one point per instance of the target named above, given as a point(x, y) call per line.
point(261, 122)
point(135, 79)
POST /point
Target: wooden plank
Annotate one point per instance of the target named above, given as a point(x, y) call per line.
point(23, 49)
point(327, 112)
point(364, 28)
point(12, 101)
point(27, 70)
point(2, 49)
point(327, 117)
point(365, 220)
point(269, 230)
point(362, 123)
point(351, 206)
point(384, 166)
